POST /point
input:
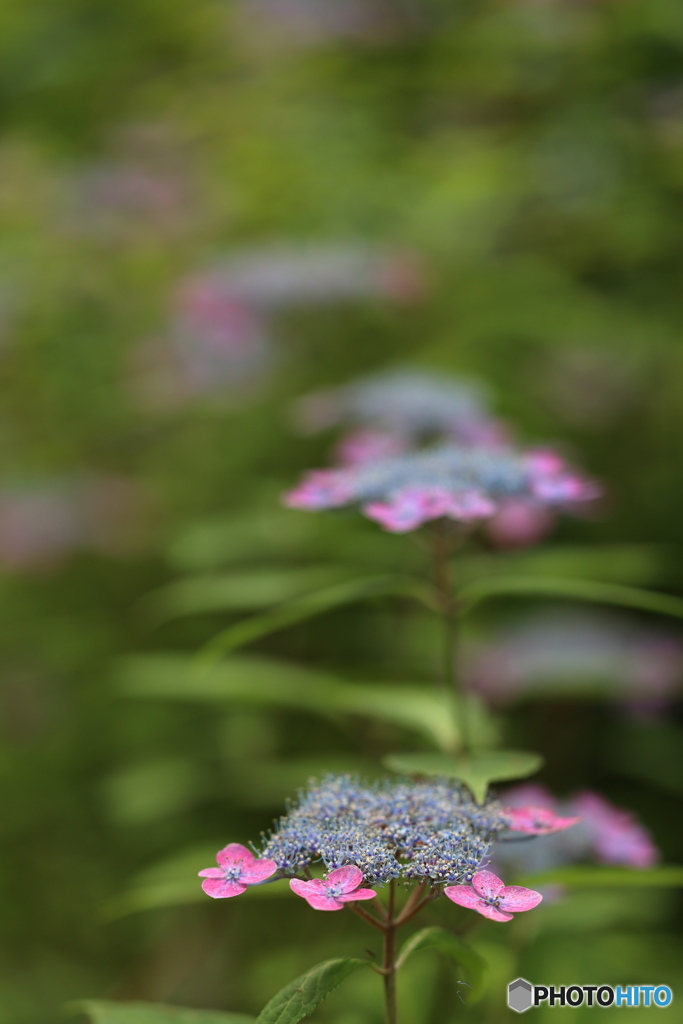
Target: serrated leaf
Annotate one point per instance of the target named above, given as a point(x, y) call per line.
point(301, 996)
point(453, 947)
point(476, 771)
point(667, 876)
point(104, 1012)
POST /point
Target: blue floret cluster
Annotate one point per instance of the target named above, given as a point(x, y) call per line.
point(432, 830)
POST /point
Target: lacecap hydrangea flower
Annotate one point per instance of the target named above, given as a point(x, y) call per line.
point(429, 832)
point(461, 483)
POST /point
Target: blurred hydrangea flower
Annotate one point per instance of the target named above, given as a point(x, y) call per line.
point(41, 524)
point(465, 484)
point(491, 898)
point(331, 893)
point(237, 869)
point(519, 523)
point(605, 832)
point(220, 332)
point(432, 831)
point(284, 275)
point(309, 23)
point(408, 405)
point(144, 187)
point(617, 836)
point(554, 652)
point(537, 820)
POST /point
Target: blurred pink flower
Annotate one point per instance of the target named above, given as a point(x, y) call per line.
point(520, 524)
point(284, 274)
point(363, 446)
point(607, 833)
point(238, 868)
point(457, 482)
point(41, 524)
point(597, 653)
point(491, 898)
point(339, 887)
point(553, 481)
point(413, 506)
point(536, 820)
point(618, 837)
point(295, 24)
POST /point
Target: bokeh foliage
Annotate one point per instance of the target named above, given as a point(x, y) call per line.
point(530, 152)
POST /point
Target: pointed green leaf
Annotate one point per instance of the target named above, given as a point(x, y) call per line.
point(666, 876)
point(256, 680)
point(301, 996)
point(476, 771)
point(302, 608)
point(238, 591)
point(416, 709)
point(573, 590)
point(453, 947)
point(156, 896)
point(103, 1012)
point(634, 564)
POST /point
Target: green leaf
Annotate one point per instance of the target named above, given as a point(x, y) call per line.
point(570, 589)
point(302, 995)
point(308, 607)
point(635, 564)
point(178, 893)
point(667, 876)
point(238, 591)
point(256, 680)
point(102, 1012)
point(476, 771)
point(416, 709)
point(453, 947)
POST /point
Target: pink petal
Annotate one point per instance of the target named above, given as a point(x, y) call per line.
point(324, 903)
point(468, 505)
point(233, 853)
point(492, 913)
point(395, 517)
point(516, 898)
point(314, 894)
point(210, 873)
point(221, 888)
point(464, 896)
point(358, 894)
point(258, 872)
point(537, 820)
point(345, 879)
point(313, 888)
point(487, 884)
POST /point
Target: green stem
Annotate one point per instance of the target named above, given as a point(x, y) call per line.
point(449, 608)
point(389, 962)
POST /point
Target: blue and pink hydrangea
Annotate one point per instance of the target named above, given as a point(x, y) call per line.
point(459, 483)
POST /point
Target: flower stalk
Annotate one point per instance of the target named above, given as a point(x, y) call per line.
point(447, 603)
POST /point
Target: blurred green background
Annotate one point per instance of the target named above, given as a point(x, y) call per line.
point(504, 182)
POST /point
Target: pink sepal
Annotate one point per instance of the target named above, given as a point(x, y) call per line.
point(488, 885)
point(221, 888)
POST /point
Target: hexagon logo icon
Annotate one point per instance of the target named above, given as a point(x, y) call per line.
point(520, 995)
